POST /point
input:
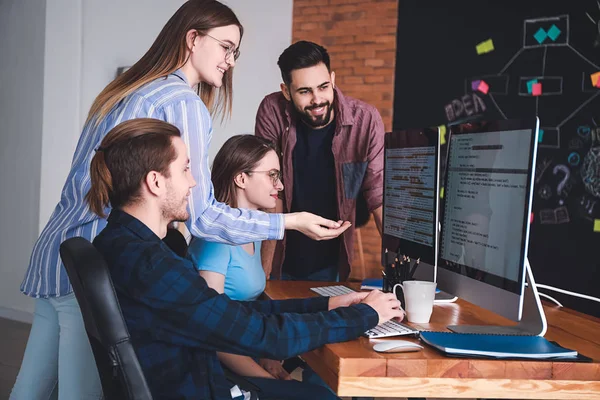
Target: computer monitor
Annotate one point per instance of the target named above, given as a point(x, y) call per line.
point(485, 221)
point(410, 200)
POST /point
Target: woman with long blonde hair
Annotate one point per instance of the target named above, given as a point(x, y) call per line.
point(184, 78)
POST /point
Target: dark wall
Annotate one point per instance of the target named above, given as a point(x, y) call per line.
point(436, 63)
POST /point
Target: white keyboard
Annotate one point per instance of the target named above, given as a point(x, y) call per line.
point(329, 291)
point(390, 328)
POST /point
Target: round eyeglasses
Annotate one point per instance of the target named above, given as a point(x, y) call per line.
point(274, 174)
point(228, 47)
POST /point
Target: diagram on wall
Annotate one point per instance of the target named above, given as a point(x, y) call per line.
point(469, 60)
point(546, 34)
point(535, 81)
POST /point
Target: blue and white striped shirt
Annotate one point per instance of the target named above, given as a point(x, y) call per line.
point(170, 99)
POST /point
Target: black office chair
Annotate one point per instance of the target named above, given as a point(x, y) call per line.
point(120, 372)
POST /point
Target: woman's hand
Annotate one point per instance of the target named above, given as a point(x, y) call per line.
point(274, 368)
point(315, 227)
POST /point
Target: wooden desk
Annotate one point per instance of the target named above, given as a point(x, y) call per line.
point(354, 369)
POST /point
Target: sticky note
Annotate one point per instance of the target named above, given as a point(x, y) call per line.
point(540, 136)
point(475, 85)
point(530, 84)
point(553, 32)
point(442, 196)
point(540, 35)
point(597, 225)
point(536, 89)
point(483, 87)
point(594, 78)
point(442, 134)
point(485, 47)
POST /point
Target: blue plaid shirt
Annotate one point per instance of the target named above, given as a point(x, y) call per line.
point(177, 323)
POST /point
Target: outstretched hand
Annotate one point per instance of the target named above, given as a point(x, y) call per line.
point(315, 227)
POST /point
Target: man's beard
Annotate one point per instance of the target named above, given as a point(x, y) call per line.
point(172, 212)
point(308, 119)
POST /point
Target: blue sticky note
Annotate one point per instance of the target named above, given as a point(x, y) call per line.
point(554, 32)
point(541, 136)
point(475, 85)
point(530, 85)
point(540, 35)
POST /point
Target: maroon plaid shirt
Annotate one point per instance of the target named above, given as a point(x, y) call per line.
point(358, 152)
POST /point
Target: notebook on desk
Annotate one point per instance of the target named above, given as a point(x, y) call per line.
point(496, 346)
point(372, 284)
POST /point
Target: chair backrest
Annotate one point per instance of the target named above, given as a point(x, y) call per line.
point(120, 372)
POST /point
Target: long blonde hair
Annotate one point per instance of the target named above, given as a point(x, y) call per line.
point(168, 53)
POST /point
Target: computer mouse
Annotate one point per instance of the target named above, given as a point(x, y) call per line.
point(396, 346)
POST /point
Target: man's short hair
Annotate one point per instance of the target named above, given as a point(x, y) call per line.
point(300, 55)
point(126, 155)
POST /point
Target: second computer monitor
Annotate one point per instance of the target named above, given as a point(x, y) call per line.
point(486, 213)
point(410, 204)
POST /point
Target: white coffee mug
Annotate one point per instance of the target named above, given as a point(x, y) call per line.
point(418, 300)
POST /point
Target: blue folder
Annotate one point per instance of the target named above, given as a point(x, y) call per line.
point(372, 283)
point(495, 346)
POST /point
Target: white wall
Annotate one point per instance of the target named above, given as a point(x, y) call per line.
point(62, 92)
point(21, 84)
point(84, 42)
point(267, 32)
point(109, 39)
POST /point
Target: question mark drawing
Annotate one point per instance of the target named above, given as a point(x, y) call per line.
point(561, 185)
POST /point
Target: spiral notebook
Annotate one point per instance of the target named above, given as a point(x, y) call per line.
point(496, 346)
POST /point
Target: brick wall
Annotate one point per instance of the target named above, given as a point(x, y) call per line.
point(360, 36)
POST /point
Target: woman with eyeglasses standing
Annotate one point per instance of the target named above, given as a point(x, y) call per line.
point(246, 174)
point(184, 78)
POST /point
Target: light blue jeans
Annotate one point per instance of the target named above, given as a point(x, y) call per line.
point(58, 362)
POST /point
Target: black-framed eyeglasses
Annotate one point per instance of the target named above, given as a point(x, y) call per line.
point(274, 174)
point(229, 48)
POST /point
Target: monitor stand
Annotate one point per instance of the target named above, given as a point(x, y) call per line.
point(533, 320)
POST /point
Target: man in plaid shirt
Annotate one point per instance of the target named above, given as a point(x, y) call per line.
point(177, 323)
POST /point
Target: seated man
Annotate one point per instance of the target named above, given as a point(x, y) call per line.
point(332, 150)
point(177, 323)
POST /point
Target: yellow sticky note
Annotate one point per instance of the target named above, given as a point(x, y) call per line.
point(442, 194)
point(595, 77)
point(485, 47)
point(597, 225)
point(442, 134)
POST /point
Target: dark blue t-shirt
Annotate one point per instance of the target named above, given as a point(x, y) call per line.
point(314, 191)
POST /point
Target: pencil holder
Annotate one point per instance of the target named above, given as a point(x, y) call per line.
point(399, 292)
point(386, 286)
point(389, 283)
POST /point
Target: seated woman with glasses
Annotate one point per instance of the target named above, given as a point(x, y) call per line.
point(246, 174)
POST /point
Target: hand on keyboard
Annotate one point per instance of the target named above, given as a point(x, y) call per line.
point(346, 300)
point(384, 329)
point(386, 305)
